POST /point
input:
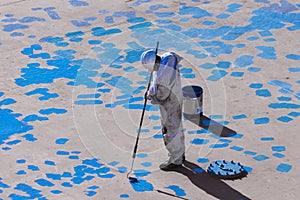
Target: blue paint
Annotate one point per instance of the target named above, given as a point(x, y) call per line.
point(67, 184)
point(260, 157)
point(157, 136)
point(157, 7)
point(217, 75)
point(284, 7)
point(61, 140)
point(33, 168)
point(223, 65)
point(280, 84)
point(80, 23)
point(267, 52)
point(252, 38)
point(178, 191)
point(62, 153)
point(241, 116)
point(262, 120)
point(56, 191)
point(7, 101)
point(78, 3)
point(142, 186)
point(284, 106)
point(216, 146)
point(222, 16)
point(30, 19)
point(109, 19)
point(49, 162)
point(13, 142)
point(95, 42)
point(293, 56)
point(267, 139)
point(73, 157)
point(21, 161)
point(17, 34)
point(88, 96)
point(265, 33)
point(53, 176)
point(294, 69)
point(33, 193)
point(203, 160)
point(243, 61)
point(199, 141)
point(29, 137)
point(50, 111)
point(88, 102)
point(282, 167)
point(164, 14)
point(11, 125)
point(263, 93)
point(13, 27)
point(90, 193)
point(282, 98)
point(136, 20)
point(294, 114)
point(196, 12)
point(124, 196)
point(3, 185)
point(251, 153)
point(237, 74)
point(253, 69)
point(209, 23)
point(122, 169)
point(146, 164)
point(66, 175)
point(52, 13)
point(34, 117)
point(44, 92)
point(237, 148)
point(278, 155)
point(21, 172)
point(278, 148)
point(270, 40)
point(285, 119)
point(234, 7)
point(141, 155)
point(154, 117)
point(141, 172)
point(9, 20)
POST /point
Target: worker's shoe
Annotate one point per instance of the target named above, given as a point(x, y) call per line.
point(166, 166)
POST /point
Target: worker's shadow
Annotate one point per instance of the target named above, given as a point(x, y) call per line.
point(211, 125)
point(211, 185)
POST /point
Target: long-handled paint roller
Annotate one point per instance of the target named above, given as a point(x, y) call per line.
point(141, 123)
point(133, 179)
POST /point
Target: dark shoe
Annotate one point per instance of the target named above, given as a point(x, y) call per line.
point(183, 157)
point(166, 166)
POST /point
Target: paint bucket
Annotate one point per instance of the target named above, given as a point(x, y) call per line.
point(192, 101)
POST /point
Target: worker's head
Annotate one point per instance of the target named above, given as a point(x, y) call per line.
point(150, 60)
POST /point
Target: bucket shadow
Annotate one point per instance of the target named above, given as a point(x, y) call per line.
point(211, 125)
point(211, 185)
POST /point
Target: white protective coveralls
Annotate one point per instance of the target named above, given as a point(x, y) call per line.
point(165, 90)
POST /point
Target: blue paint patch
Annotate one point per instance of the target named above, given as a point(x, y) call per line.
point(285, 119)
point(124, 196)
point(243, 61)
point(142, 155)
point(21, 161)
point(253, 69)
point(44, 183)
point(262, 120)
point(61, 140)
point(217, 146)
point(7, 101)
point(203, 160)
point(284, 106)
point(80, 23)
point(256, 85)
point(146, 164)
point(282, 167)
point(88, 102)
point(53, 176)
point(263, 93)
point(267, 139)
point(178, 191)
point(29, 137)
point(280, 84)
point(294, 69)
point(196, 12)
point(142, 186)
point(252, 38)
point(222, 16)
point(33, 193)
point(278, 148)
point(56, 191)
point(44, 92)
point(217, 75)
point(251, 153)
point(234, 7)
point(78, 3)
point(157, 136)
point(21, 172)
point(52, 13)
point(237, 148)
point(237, 117)
point(34, 117)
point(237, 74)
point(282, 98)
point(50, 111)
point(260, 157)
point(33, 168)
point(13, 142)
point(62, 153)
point(17, 34)
point(209, 23)
point(67, 184)
point(199, 141)
point(49, 162)
point(268, 52)
point(278, 155)
point(13, 27)
point(294, 114)
point(293, 57)
point(141, 172)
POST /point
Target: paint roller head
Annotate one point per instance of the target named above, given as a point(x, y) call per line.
point(132, 179)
